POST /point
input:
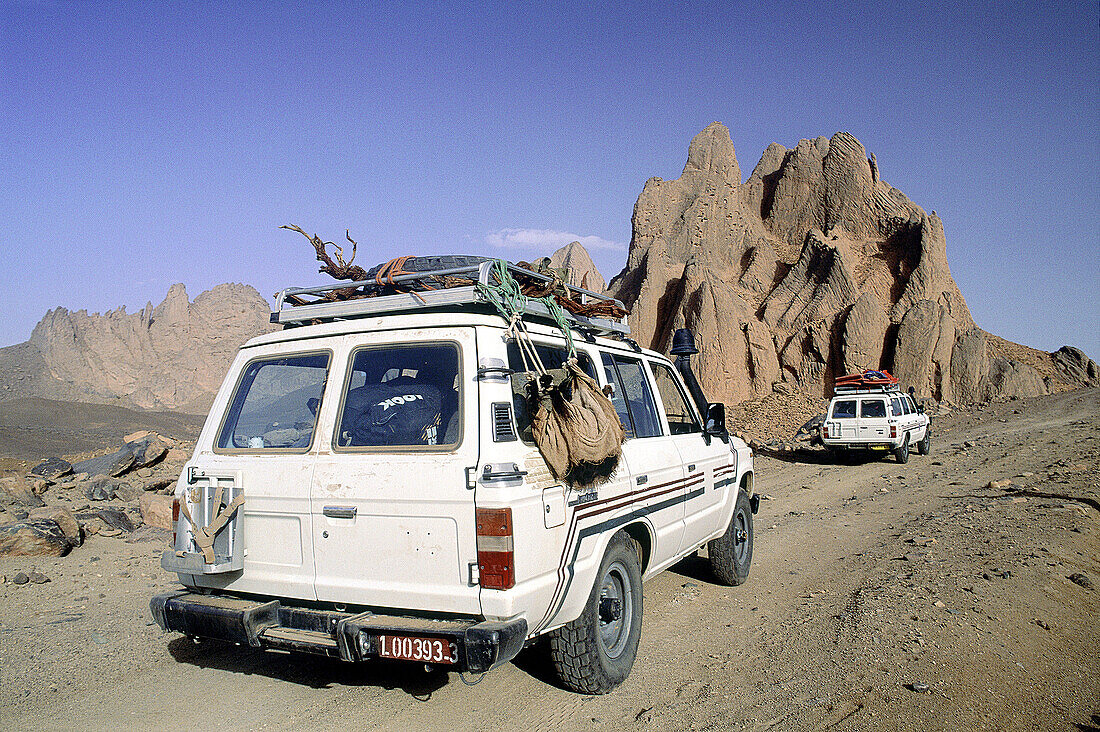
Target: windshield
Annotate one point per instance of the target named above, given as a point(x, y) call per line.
point(275, 405)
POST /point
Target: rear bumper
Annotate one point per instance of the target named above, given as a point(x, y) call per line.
point(348, 636)
point(837, 445)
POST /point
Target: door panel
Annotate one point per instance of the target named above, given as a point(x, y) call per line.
point(656, 469)
point(703, 509)
point(265, 441)
point(392, 517)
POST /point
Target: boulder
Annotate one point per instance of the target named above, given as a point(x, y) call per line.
point(126, 491)
point(100, 488)
point(20, 491)
point(51, 469)
point(156, 510)
point(34, 537)
point(147, 450)
point(64, 518)
point(116, 519)
point(114, 464)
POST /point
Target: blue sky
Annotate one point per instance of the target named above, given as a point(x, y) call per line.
point(143, 144)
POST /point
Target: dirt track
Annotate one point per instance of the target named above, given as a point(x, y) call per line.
point(867, 577)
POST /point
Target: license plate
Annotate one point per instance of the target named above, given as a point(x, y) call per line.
point(410, 648)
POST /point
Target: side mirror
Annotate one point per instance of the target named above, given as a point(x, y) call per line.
point(716, 421)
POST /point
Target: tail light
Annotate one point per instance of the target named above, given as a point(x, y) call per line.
point(495, 548)
point(893, 431)
point(175, 519)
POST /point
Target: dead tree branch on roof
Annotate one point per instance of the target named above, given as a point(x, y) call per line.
point(339, 269)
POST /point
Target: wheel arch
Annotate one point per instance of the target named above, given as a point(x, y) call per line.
point(642, 533)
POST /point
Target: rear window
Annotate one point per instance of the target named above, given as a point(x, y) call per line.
point(872, 408)
point(275, 404)
point(401, 396)
point(845, 409)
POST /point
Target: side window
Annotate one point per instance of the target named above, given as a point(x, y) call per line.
point(845, 409)
point(638, 397)
point(401, 396)
point(618, 400)
point(908, 405)
point(681, 420)
point(895, 405)
point(275, 405)
point(872, 408)
point(552, 357)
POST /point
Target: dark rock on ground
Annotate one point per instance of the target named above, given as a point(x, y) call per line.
point(1080, 578)
point(147, 451)
point(64, 519)
point(100, 488)
point(116, 519)
point(52, 468)
point(20, 578)
point(34, 537)
point(114, 464)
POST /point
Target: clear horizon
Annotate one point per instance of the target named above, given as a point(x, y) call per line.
point(154, 143)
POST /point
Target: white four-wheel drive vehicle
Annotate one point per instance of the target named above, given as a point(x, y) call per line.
point(876, 417)
point(366, 487)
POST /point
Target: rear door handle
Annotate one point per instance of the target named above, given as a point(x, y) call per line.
point(340, 511)
point(502, 471)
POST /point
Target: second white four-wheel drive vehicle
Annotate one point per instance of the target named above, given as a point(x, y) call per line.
point(874, 414)
point(366, 486)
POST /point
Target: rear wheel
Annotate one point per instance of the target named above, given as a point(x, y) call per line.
point(924, 447)
point(731, 553)
point(594, 653)
point(902, 453)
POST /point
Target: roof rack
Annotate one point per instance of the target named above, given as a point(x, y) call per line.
point(866, 389)
point(286, 313)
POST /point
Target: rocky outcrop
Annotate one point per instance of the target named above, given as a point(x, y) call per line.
point(811, 268)
point(172, 356)
point(574, 258)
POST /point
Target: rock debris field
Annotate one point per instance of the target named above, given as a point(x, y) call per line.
point(959, 591)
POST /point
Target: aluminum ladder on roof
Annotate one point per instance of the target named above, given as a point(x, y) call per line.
point(286, 313)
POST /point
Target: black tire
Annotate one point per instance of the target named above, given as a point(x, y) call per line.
point(924, 447)
point(594, 653)
point(731, 553)
point(902, 453)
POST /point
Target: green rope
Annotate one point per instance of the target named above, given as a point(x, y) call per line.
point(508, 298)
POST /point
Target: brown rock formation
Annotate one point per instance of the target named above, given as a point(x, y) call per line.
point(811, 268)
point(172, 356)
point(582, 270)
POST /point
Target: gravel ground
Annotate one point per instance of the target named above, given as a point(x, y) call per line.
point(882, 596)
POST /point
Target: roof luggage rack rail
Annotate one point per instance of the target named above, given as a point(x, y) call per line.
point(866, 389)
point(287, 313)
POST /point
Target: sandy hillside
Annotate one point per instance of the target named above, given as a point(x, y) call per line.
point(882, 596)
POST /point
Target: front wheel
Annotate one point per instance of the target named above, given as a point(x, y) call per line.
point(731, 553)
point(902, 453)
point(594, 653)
